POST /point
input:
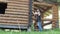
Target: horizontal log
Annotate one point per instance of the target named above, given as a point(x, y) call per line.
point(13, 24)
point(16, 22)
point(10, 10)
point(17, 13)
point(47, 23)
point(9, 15)
point(42, 4)
point(17, 9)
point(18, 6)
point(26, 3)
point(11, 4)
point(13, 18)
point(18, 0)
point(13, 10)
point(20, 19)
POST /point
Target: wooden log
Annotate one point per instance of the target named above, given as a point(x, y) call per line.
point(16, 2)
point(47, 23)
point(41, 4)
point(25, 6)
point(9, 15)
point(12, 22)
point(10, 10)
point(55, 16)
point(17, 12)
point(20, 0)
point(18, 5)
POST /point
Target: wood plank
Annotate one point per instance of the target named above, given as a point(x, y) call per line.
point(13, 11)
point(9, 15)
point(16, 22)
point(47, 23)
point(42, 4)
point(25, 6)
point(18, 6)
point(10, 10)
point(13, 24)
point(17, 9)
point(26, 3)
point(13, 18)
point(20, 13)
point(19, 0)
point(17, 14)
point(11, 4)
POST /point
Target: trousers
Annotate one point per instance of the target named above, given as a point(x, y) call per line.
point(39, 23)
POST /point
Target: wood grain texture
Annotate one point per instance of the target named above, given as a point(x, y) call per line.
point(17, 12)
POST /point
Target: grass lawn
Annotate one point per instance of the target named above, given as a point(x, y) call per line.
point(55, 31)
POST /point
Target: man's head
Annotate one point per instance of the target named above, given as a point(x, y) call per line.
point(37, 12)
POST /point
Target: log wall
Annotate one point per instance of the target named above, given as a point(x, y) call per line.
point(17, 12)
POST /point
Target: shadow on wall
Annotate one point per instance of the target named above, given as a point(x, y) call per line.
point(3, 6)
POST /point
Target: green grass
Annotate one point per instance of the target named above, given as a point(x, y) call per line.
point(55, 31)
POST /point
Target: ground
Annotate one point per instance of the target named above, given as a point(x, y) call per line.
point(55, 31)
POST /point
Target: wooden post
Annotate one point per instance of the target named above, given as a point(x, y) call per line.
point(55, 16)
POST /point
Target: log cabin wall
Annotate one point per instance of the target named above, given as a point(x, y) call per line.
point(17, 12)
point(55, 13)
point(55, 16)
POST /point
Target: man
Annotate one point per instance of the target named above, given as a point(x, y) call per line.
point(38, 16)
